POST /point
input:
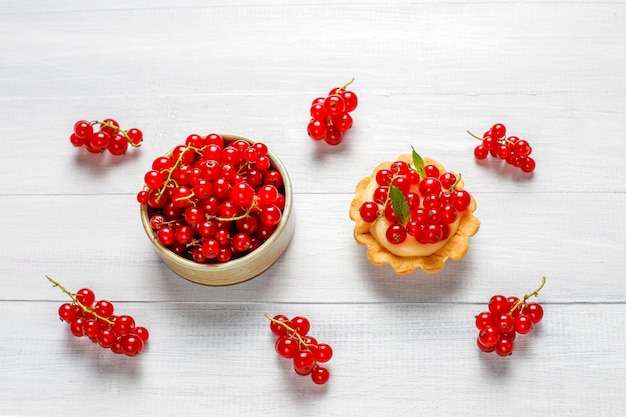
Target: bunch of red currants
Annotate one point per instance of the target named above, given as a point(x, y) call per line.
point(108, 136)
point(96, 319)
point(296, 344)
point(330, 115)
point(506, 317)
point(513, 150)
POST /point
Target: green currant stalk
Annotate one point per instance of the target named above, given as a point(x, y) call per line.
point(522, 301)
point(474, 136)
point(78, 303)
point(342, 88)
point(291, 330)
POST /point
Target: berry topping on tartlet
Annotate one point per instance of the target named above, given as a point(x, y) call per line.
point(412, 213)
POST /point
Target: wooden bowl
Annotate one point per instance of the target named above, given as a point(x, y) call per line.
point(240, 269)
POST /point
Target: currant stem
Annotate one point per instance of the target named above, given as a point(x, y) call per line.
point(78, 303)
point(474, 136)
point(527, 296)
point(347, 84)
point(290, 330)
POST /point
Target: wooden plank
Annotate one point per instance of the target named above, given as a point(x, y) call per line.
point(389, 359)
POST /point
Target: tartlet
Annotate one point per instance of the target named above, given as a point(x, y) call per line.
point(432, 256)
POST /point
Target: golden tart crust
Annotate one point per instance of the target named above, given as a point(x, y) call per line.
point(455, 248)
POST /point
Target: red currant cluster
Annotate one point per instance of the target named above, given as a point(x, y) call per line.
point(506, 318)
point(213, 201)
point(418, 201)
point(330, 115)
point(294, 343)
point(513, 150)
point(96, 320)
point(109, 136)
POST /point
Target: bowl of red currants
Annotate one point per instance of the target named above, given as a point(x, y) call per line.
point(218, 208)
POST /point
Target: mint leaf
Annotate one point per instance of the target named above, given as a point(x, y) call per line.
point(418, 164)
point(400, 205)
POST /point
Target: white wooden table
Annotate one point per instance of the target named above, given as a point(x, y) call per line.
point(425, 72)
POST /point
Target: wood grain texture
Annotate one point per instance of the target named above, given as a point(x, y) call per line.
point(425, 72)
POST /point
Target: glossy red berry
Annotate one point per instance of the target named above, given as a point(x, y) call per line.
point(534, 311)
point(320, 375)
point(523, 324)
point(498, 304)
point(488, 336)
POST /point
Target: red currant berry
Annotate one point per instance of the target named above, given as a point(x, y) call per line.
point(76, 327)
point(317, 129)
point(484, 319)
point(431, 171)
point(528, 164)
point(241, 242)
point(142, 332)
point(118, 145)
point(522, 148)
point(523, 324)
point(276, 327)
point(498, 131)
point(483, 347)
point(86, 297)
point(334, 105)
point(488, 336)
point(505, 323)
point(242, 194)
point(267, 195)
point(334, 136)
point(303, 362)
point(462, 200)
point(270, 215)
point(91, 328)
point(350, 99)
point(106, 338)
point(369, 211)
point(396, 234)
point(301, 325)
point(534, 311)
point(323, 352)
point(123, 325)
point(343, 121)
point(68, 312)
point(498, 304)
point(504, 347)
point(104, 308)
point(132, 345)
point(83, 129)
point(135, 135)
point(287, 347)
point(154, 179)
point(320, 375)
point(210, 248)
point(480, 152)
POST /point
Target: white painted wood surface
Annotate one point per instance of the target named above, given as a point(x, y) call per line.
point(425, 72)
